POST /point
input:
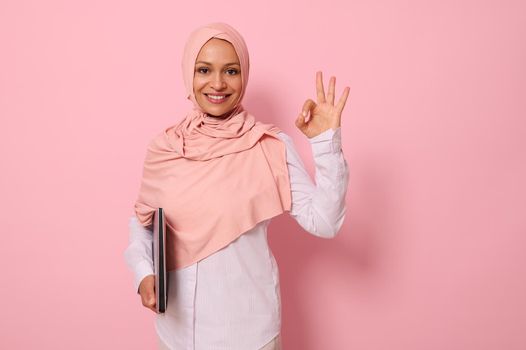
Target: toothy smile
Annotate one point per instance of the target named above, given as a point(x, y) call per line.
point(216, 98)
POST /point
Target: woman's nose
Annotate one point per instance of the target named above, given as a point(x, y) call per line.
point(218, 82)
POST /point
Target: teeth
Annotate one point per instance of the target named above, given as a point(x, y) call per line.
point(217, 97)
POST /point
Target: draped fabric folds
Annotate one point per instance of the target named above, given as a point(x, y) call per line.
point(216, 178)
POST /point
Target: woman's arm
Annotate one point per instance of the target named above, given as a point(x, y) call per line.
point(319, 208)
point(138, 254)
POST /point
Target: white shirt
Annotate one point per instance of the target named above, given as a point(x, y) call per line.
point(231, 299)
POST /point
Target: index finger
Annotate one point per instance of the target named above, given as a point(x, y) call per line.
point(320, 92)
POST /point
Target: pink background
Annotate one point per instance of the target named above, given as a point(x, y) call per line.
point(431, 255)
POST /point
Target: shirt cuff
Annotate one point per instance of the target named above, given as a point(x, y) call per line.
point(142, 269)
point(328, 141)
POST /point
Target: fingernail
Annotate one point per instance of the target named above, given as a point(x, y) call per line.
point(304, 113)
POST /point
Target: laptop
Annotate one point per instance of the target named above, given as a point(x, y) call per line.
point(159, 260)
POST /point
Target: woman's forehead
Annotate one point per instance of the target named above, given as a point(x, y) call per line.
point(217, 51)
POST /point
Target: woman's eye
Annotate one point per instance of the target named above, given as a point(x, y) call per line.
point(202, 70)
point(232, 71)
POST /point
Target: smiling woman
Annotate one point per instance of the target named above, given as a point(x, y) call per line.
point(217, 78)
point(221, 175)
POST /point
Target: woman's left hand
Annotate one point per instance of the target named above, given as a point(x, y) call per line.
point(315, 118)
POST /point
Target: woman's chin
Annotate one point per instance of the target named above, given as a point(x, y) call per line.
point(219, 114)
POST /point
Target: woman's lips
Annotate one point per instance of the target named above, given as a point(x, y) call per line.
point(216, 98)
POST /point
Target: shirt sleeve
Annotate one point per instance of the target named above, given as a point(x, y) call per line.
point(138, 254)
point(319, 208)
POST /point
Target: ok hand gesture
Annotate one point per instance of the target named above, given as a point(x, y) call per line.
point(316, 118)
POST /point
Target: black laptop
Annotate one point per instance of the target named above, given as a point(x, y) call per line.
point(159, 260)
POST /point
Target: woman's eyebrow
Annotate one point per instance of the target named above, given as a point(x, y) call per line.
point(228, 64)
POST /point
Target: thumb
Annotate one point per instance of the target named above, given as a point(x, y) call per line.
point(300, 122)
point(305, 115)
point(149, 298)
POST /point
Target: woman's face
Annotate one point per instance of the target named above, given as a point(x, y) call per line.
point(217, 77)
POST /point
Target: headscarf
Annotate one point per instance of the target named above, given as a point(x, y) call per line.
point(215, 178)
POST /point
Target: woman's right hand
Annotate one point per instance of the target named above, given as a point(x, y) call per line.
point(147, 292)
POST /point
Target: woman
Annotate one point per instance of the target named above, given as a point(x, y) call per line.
point(221, 176)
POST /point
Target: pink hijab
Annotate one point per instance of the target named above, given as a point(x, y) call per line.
point(215, 178)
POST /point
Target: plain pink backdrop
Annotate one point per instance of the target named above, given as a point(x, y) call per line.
point(431, 254)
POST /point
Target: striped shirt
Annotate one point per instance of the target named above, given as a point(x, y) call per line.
point(231, 299)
